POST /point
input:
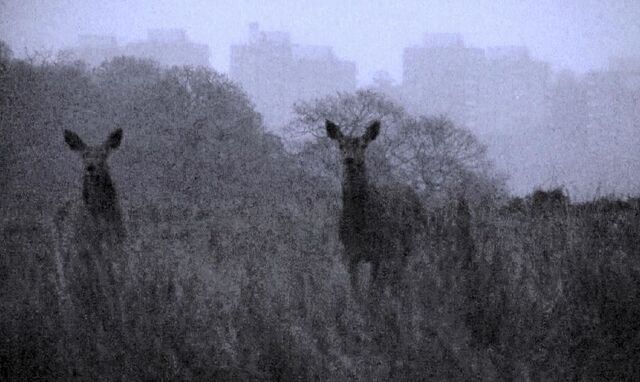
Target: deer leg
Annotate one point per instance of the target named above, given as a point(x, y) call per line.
point(113, 285)
point(353, 274)
point(400, 274)
point(375, 272)
point(377, 279)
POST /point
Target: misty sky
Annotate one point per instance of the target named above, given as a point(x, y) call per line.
point(575, 34)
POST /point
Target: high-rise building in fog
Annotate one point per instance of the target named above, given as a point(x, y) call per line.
point(497, 89)
point(276, 73)
point(442, 76)
point(94, 49)
point(514, 90)
point(500, 94)
point(168, 47)
point(612, 95)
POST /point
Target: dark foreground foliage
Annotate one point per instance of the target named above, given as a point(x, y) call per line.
point(236, 271)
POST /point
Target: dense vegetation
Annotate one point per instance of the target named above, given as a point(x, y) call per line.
point(235, 267)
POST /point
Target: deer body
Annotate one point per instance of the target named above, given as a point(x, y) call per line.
point(377, 224)
point(90, 230)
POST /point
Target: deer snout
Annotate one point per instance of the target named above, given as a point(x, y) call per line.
point(91, 168)
point(349, 161)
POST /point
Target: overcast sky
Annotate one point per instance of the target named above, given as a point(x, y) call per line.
point(575, 34)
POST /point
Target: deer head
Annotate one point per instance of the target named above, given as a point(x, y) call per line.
point(94, 158)
point(352, 149)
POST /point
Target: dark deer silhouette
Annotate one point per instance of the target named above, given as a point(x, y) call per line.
point(89, 256)
point(378, 224)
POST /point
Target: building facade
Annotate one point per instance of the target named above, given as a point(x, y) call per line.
point(442, 77)
point(276, 73)
point(168, 47)
point(514, 91)
point(492, 90)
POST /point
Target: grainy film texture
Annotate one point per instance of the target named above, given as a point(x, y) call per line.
point(319, 191)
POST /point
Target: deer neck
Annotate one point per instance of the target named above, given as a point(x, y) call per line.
point(355, 191)
point(100, 196)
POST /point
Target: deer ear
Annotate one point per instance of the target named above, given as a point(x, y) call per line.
point(372, 131)
point(114, 139)
point(333, 130)
point(74, 141)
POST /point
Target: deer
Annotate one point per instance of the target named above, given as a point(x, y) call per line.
point(377, 225)
point(90, 233)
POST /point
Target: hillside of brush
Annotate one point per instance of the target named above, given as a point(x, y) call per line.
point(235, 270)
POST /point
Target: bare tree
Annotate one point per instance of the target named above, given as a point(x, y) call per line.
point(350, 110)
point(438, 157)
point(429, 153)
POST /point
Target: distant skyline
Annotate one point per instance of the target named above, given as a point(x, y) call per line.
point(578, 34)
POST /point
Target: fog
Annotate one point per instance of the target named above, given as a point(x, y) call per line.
point(326, 191)
point(578, 35)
